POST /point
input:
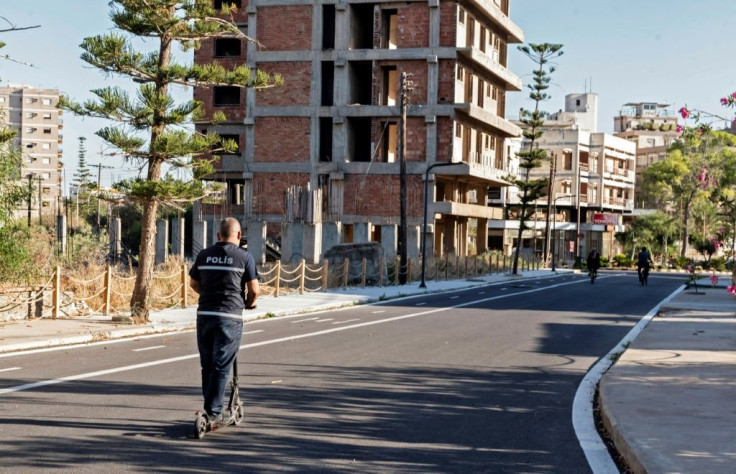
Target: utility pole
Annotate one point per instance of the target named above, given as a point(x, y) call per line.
point(40, 201)
point(30, 195)
point(404, 87)
point(550, 197)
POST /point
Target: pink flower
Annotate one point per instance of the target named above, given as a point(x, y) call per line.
point(684, 112)
point(679, 127)
point(713, 280)
point(731, 289)
point(724, 101)
point(703, 176)
point(733, 96)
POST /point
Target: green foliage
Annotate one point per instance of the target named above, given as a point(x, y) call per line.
point(605, 263)
point(718, 264)
point(622, 260)
point(16, 266)
point(12, 190)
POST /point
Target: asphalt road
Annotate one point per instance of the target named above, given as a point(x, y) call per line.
point(480, 380)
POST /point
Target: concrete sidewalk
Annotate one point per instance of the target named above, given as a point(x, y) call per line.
point(669, 402)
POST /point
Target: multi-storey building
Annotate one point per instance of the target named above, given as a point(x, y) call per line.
point(332, 129)
point(32, 113)
point(653, 127)
point(593, 186)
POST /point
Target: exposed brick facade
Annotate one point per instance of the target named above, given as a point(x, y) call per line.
point(448, 20)
point(285, 28)
point(297, 82)
point(413, 26)
point(378, 195)
point(269, 190)
point(282, 139)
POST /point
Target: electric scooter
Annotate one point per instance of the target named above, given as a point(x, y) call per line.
point(203, 425)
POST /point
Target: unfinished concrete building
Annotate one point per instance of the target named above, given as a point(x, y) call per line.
point(318, 162)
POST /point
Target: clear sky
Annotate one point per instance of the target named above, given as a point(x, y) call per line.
point(667, 51)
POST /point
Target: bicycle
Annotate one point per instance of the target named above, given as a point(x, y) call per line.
point(593, 275)
point(643, 276)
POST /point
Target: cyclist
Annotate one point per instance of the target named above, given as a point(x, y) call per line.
point(642, 265)
point(594, 263)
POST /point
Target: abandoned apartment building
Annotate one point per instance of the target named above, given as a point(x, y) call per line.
point(317, 160)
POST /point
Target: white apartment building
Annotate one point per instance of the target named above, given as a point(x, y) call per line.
point(594, 177)
point(32, 113)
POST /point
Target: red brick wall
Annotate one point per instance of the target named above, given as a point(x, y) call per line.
point(296, 88)
point(285, 28)
point(416, 139)
point(445, 136)
point(446, 81)
point(448, 23)
point(269, 190)
point(206, 54)
point(378, 195)
point(282, 139)
point(414, 26)
point(419, 80)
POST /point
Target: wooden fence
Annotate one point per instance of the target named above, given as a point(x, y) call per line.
point(109, 292)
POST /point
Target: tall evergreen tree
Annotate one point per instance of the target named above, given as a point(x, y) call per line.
point(83, 176)
point(154, 112)
point(532, 121)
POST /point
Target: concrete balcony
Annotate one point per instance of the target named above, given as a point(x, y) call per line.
point(466, 210)
point(514, 34)
point(511, 80)
point(503, 127)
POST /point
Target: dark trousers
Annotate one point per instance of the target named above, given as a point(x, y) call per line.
point(218, 340)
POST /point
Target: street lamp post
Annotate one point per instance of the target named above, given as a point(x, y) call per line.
point(424, 226)
point(554, 226)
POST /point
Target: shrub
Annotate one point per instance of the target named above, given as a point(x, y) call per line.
point(605, 263)
point(622, 260)
point(718, 264)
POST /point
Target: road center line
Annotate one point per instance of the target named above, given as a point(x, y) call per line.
point(10, 369)
point(147, 348)
point(153, 363)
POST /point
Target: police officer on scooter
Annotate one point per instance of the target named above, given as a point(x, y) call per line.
point(226, 279)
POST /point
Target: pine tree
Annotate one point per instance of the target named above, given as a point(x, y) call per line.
point(83, 176)
point(533, 156)
point(153, 112)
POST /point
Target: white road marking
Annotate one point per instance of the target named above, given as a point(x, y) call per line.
point(347, 321)
point(504, 288)
point(421, 304)
point(147, 348)
point(324, 320)
point(583, 423)
point(380, 311)
point(302, 320)
point(153, 363)
point(10, 369)
point(253, 332)
point(454, 297)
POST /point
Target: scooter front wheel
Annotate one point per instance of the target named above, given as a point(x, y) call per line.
point(200, 425)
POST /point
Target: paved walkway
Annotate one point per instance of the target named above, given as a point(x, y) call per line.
point(669, 402)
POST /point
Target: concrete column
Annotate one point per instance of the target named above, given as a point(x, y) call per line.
point(389, 240)
point(331, 235)
point(450, 236)
point(430, 242)
point(312, 242)
point(199, 237)
point(162, 240)
point(292, 242)
point(61, 233)
point(482, 236)
point(256, 235)
point(361, 232)
point(177, 237)
point(413, 244)
point(116, 230)
point(213, 226)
